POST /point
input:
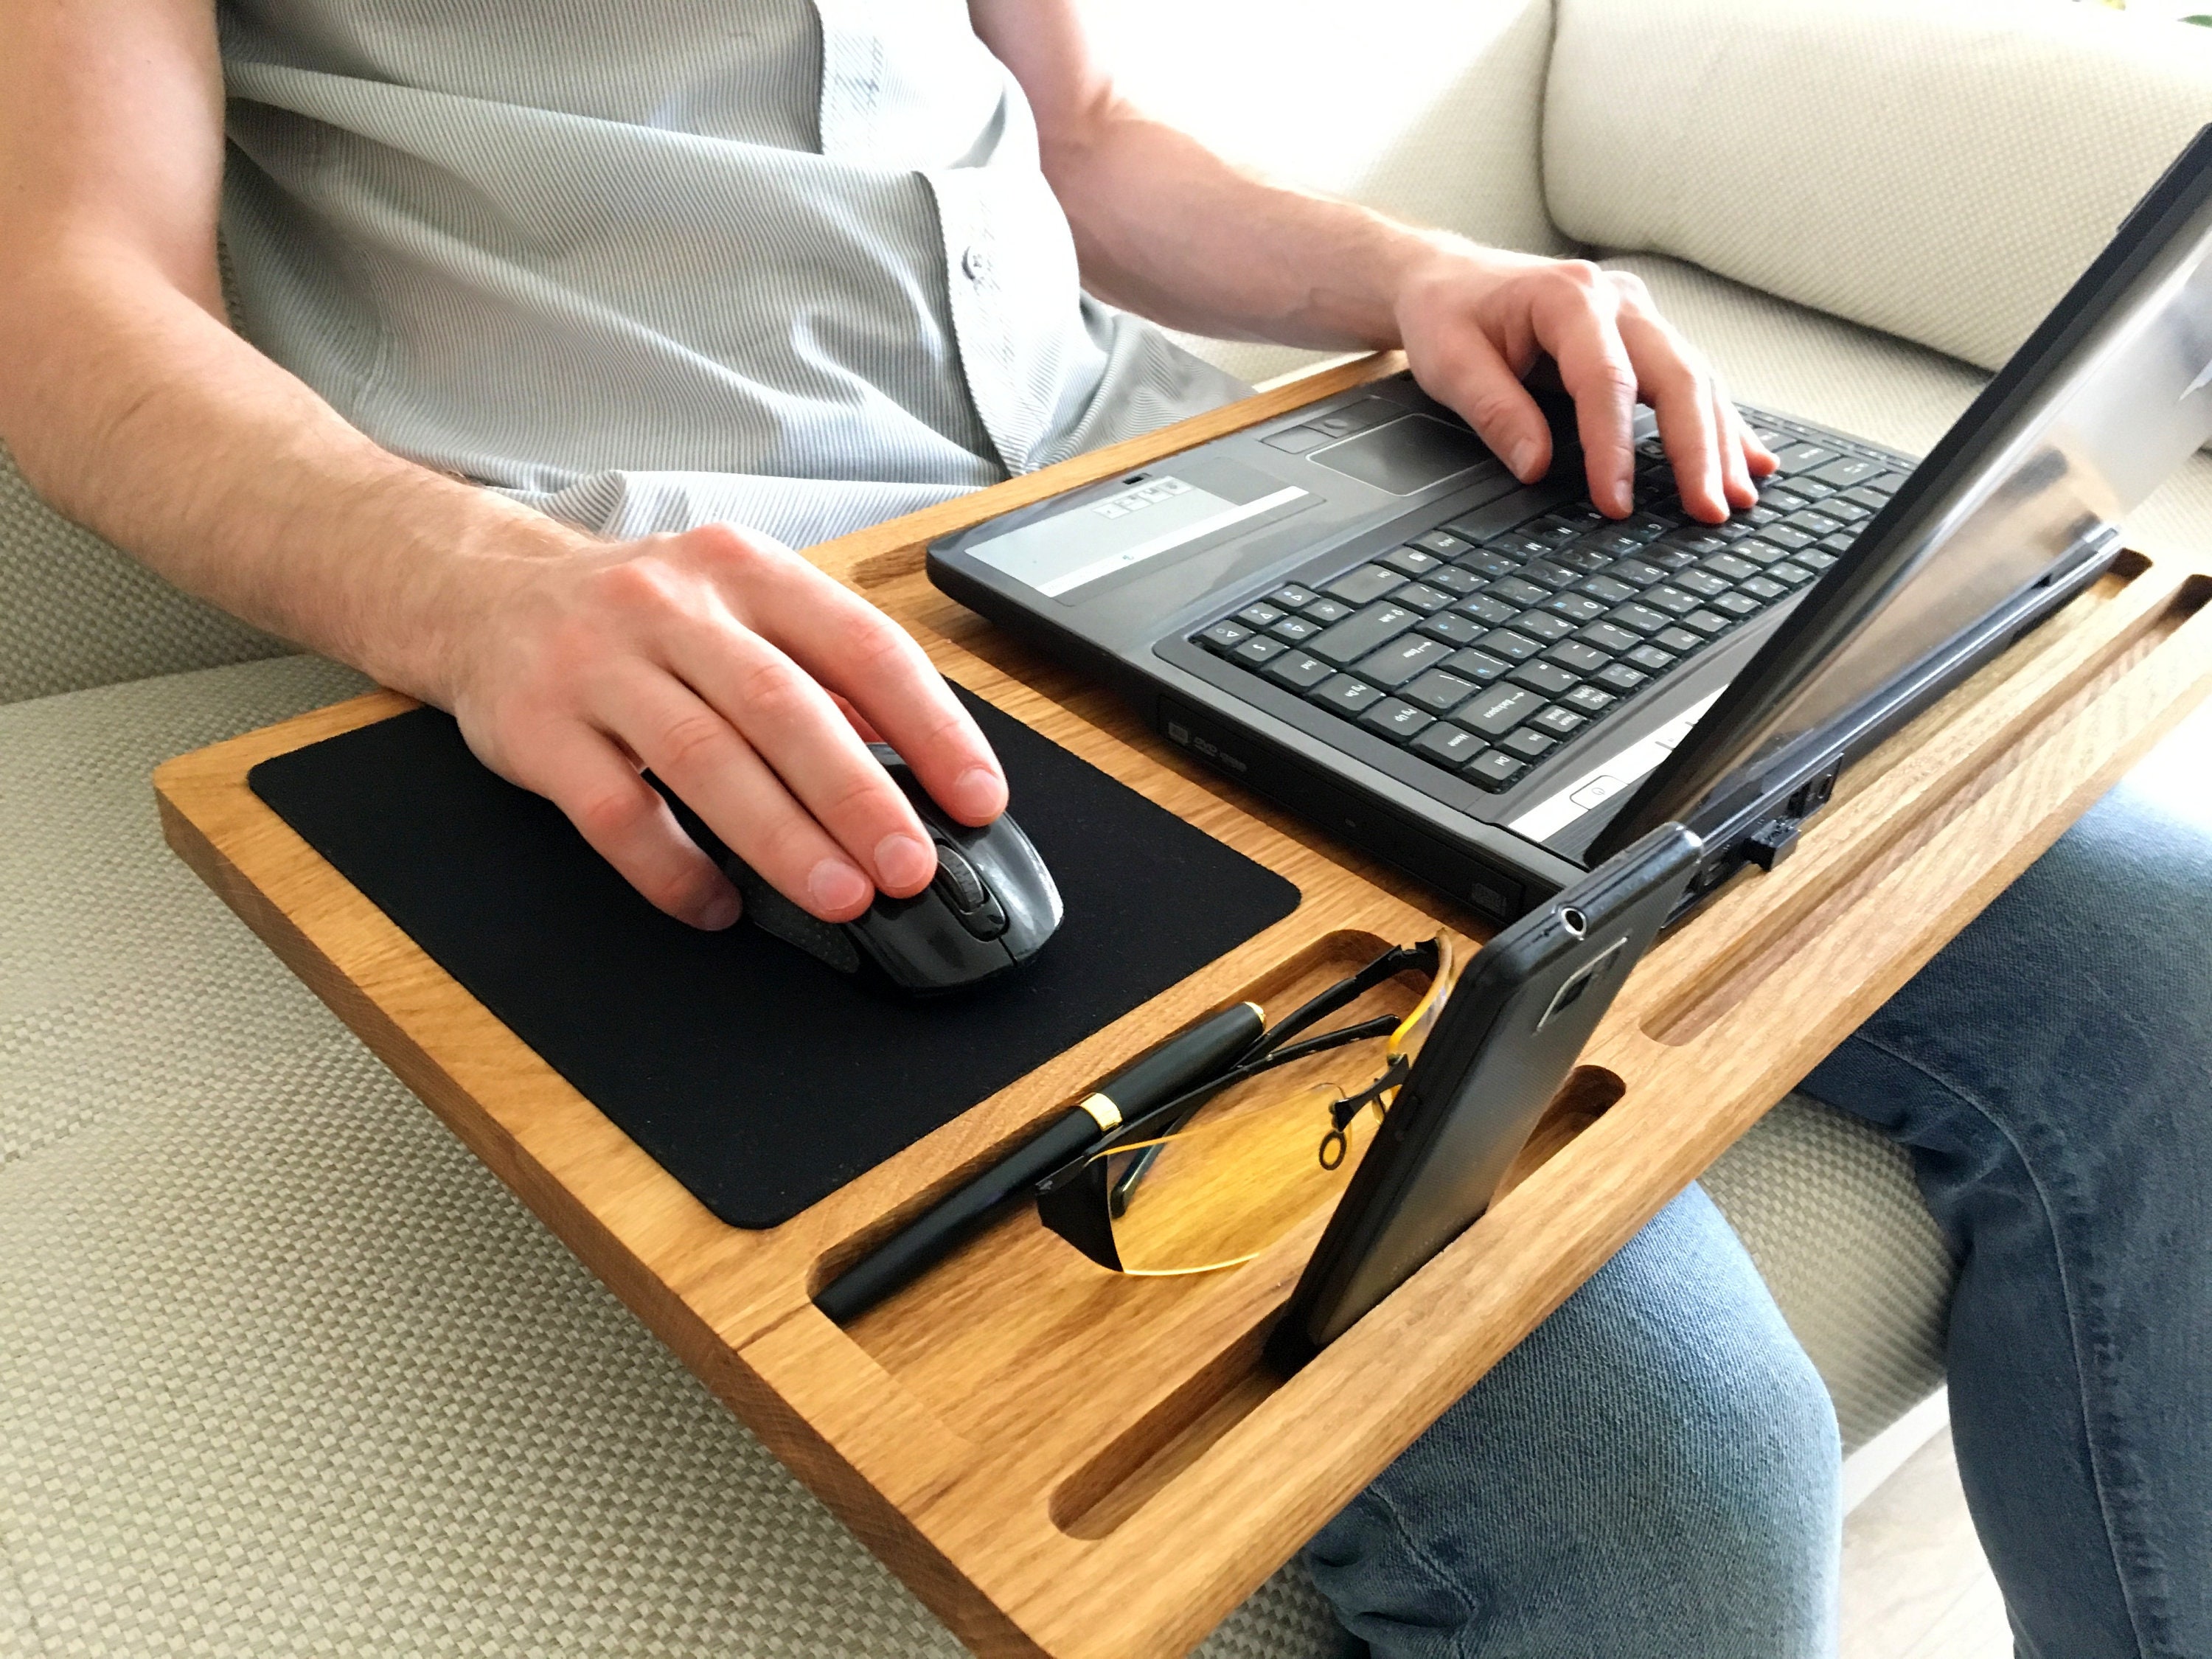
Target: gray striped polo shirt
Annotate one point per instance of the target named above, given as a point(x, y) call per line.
point(789, 263)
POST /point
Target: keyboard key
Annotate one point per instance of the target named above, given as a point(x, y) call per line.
point(1762, 515)
point(1651, 526)
point(1889, 484)
point(1559, 722)
point(1680, 640)
point(1326, 611)
point(1697, 542)
point(1763, 588)
point(1477, 665)
point(1671, 558)
point(1710, 624)
point(1399, 660)
point(1615, 543)
point(1810, 488)
point(1851, 469)
point(1575, 607)
point(1786, 501)
point(1412, 560)
point(1841, 541)
point(1498, 710)
point(1295, 630)
point(1399, 721)
point(1259, 616)
point(1738, 606)
point(1358, 634)
point(1504, 643)
point(1553, 528)
point(1621, 677)
point(1637, 573)
point(1583, 559)
point(1815, 525)
point(1703, 583)
point(1488, 609)
point(1258, 651)
point(1494, 769)
point(1443, 544)
point(1225, 635)
point(1795, 574)
point(1547, 575)
point(1651, 659)
point(1420, 596)
point(1544, 625)
point(1671, 599)
point(1871, 499)
point(1636, 618)
point(1514, 591)
point(1447, 745)
point(1292, 598)
point(1607, 637)
point(1588, 700)
point(1729, 567)
point(1610, 590)
point(1452, 630)
point(1802, 457)
point(1347, 695)
point(1548, 677)
point(1298, 671)
point(1759, 550)
point(1573, 655)
point(1786, 536)
point(1515, 545)
point(1438, 692)
point(1486, 565)
point(1453, 580)
point(1818, 557)
point(1366, 585)
point(1529, 744)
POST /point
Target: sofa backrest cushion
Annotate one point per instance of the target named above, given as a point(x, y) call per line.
point(1943, 173)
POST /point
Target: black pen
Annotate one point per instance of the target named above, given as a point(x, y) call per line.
point(1179, 1064)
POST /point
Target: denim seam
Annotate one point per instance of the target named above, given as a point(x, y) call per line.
point(2085, 1353)
point(1442, 1575)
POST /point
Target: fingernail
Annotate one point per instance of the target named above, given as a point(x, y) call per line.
point(903, 863)
point(982, 792)
point(836, 885)
point(1523, 459)
point(721, 911)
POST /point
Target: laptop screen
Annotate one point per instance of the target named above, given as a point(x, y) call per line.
point(2105, 399)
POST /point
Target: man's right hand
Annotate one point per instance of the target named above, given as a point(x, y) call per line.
point(747, 681)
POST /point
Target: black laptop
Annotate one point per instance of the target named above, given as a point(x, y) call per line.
point(1357, 610)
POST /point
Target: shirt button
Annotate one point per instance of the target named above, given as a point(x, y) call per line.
point(976, 264)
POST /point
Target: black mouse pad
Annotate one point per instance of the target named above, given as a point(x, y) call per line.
point(756, 1077)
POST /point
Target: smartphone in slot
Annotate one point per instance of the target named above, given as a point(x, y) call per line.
point(1510, 1032)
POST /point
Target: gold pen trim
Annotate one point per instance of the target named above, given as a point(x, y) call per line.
point(1103, 1112)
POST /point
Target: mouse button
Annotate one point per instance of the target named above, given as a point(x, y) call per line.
point(957, 877)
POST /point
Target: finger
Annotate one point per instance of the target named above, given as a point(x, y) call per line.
point(1575, 322)
point(629, 824)
point(697, 753)
point(858, 721)
point(1735, 444)
point(1676, 385)
point(791, 723)
point(1471, 376)
point(852, 649)
point(1760, 459)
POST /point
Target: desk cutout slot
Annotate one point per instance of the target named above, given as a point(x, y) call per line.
point(1144, 1458)
point(1683, 1017)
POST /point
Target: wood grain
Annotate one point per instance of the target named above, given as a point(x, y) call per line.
point(1062, 1461)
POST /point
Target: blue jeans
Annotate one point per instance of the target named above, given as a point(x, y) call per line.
point(1654, 1471)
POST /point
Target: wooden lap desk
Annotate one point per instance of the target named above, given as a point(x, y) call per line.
point(1061, 1462)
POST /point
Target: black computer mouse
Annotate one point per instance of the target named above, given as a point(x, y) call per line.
point(990, 908)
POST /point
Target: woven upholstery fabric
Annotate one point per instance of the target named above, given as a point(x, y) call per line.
point(1828, 1211)
point(1942, 172)
point(75, 612)
point(286, 1370)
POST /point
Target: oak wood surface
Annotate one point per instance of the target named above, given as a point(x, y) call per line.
point(1061, 1462)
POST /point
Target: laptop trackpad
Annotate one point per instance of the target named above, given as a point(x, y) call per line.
point(1407, 456)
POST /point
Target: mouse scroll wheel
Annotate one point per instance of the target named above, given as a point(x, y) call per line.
point(957, 880)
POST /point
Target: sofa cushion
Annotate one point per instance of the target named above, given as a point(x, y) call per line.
point(1941, 172)
point(285, 1370)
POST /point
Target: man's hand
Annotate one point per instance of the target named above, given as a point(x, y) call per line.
point(747, 681)
point(1475, 320)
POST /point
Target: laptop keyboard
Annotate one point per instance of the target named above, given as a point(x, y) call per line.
point(1482, 653)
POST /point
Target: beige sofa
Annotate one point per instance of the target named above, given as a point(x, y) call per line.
point(283, 1370)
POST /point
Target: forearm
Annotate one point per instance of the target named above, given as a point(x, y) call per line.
point(1166, 228)
point(134, 412)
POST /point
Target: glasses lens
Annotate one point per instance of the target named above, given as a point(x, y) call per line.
point(1236, 1177)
